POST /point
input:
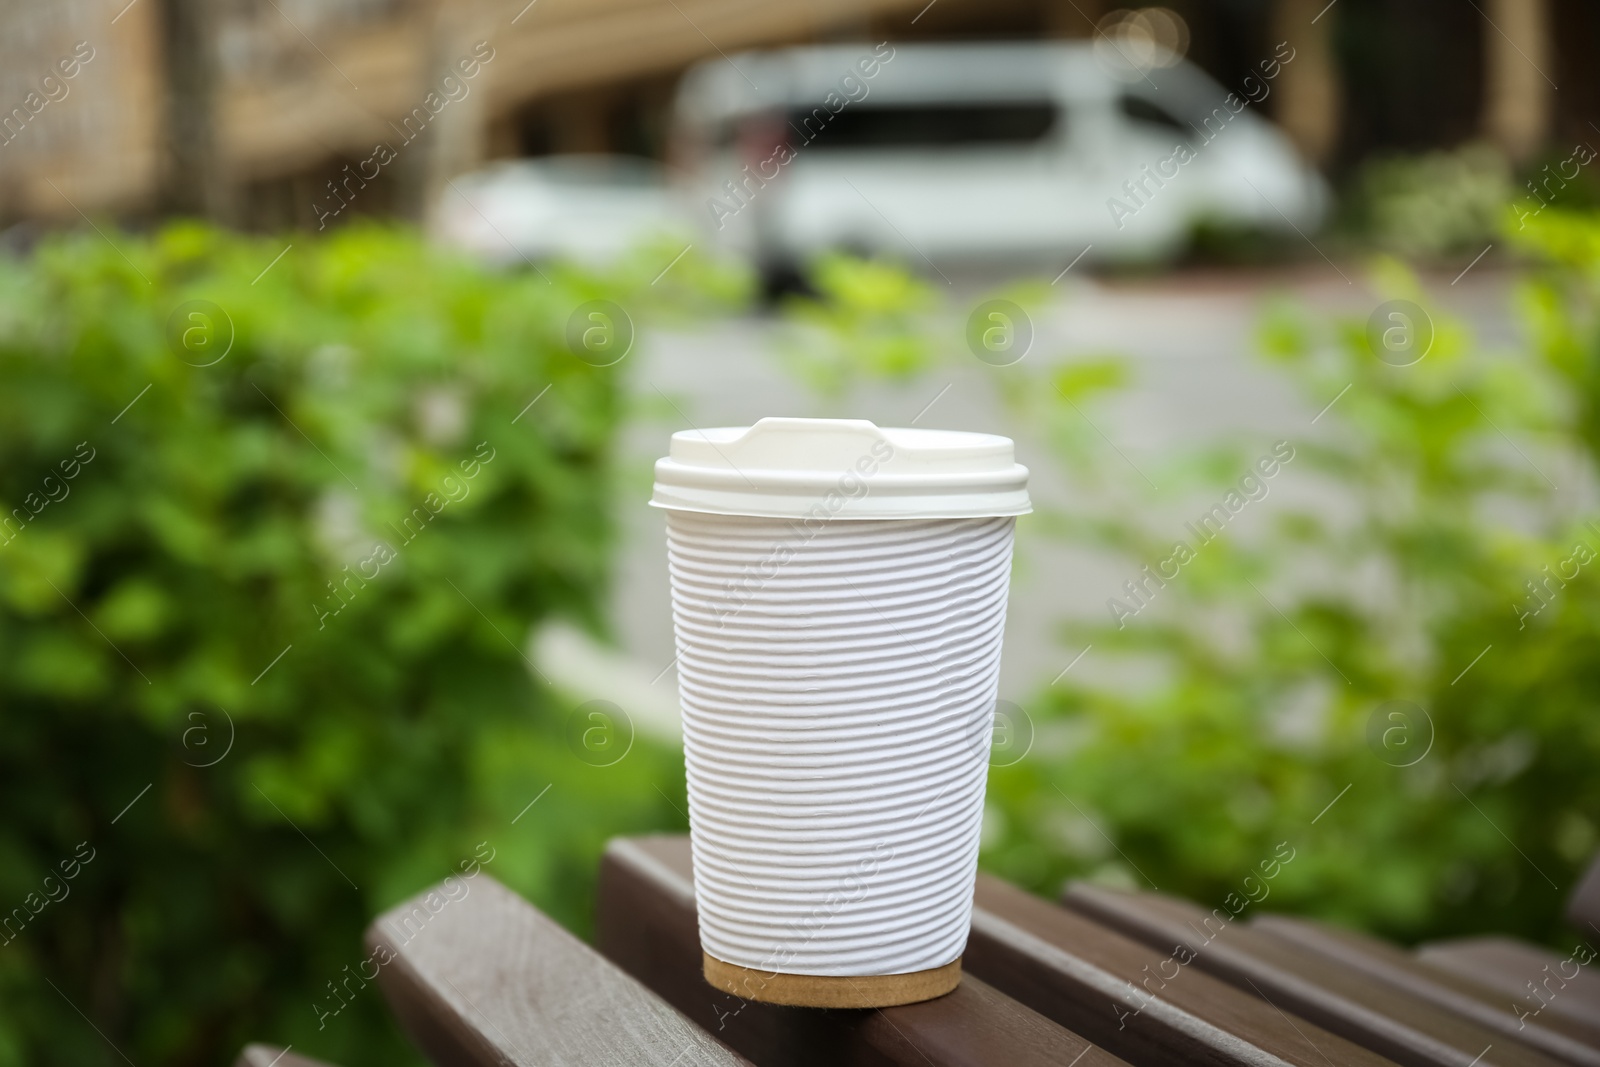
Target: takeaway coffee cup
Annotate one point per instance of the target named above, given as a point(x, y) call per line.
point(839, 597)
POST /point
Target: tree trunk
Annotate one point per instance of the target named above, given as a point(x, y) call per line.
point(1518, 57)
point(193, 179)
point(1308, 88)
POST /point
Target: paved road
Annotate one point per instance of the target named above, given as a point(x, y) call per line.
point(1190, 341)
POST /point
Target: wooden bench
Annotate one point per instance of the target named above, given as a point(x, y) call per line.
point(1524, 973)
point(1428, 1008)
point(1572, 1041)
point(1110, 987)
point(1509, 967)
point(646, 923)
point(482, 977)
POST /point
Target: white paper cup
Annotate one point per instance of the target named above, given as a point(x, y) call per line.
point(839, 596)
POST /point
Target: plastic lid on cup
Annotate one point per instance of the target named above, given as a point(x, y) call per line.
point(843, 469)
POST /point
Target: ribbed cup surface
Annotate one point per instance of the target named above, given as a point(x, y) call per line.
point(838, 681)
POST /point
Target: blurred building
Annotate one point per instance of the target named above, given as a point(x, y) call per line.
point(270, 113)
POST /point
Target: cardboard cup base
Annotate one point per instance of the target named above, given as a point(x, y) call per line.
point(831, 991)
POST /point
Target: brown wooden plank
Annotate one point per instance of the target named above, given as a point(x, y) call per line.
point(1390, 1020)
point(1111, 989)
point(273, 1056)
point(647, 924)
point(478, 976)
point(1511, 968)
point(1572, 1042)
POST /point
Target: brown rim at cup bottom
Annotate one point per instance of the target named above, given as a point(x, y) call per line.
point(831, 991)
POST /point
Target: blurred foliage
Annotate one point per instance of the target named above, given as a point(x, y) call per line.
point(1214, 240)
point(1249, 703)
point(258, 751)
point(1429, 206)
point(865, 321)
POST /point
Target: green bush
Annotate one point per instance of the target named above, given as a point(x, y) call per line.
point(1437, 204)
point(1254, 702)
point(267, 571)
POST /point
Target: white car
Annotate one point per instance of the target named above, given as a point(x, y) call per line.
point(951, 152)
point(588, 208)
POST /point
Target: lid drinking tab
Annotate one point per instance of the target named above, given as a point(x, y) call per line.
point(841, 468)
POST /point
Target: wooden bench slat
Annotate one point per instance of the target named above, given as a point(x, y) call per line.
point(1109, 988)
point(274, 1056)
point(1566, 1040)
point(1390, 1020)
point(481, 977)
point(1507, 965)
point(647, 923)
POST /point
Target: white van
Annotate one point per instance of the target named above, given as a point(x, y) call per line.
point(948, 152)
